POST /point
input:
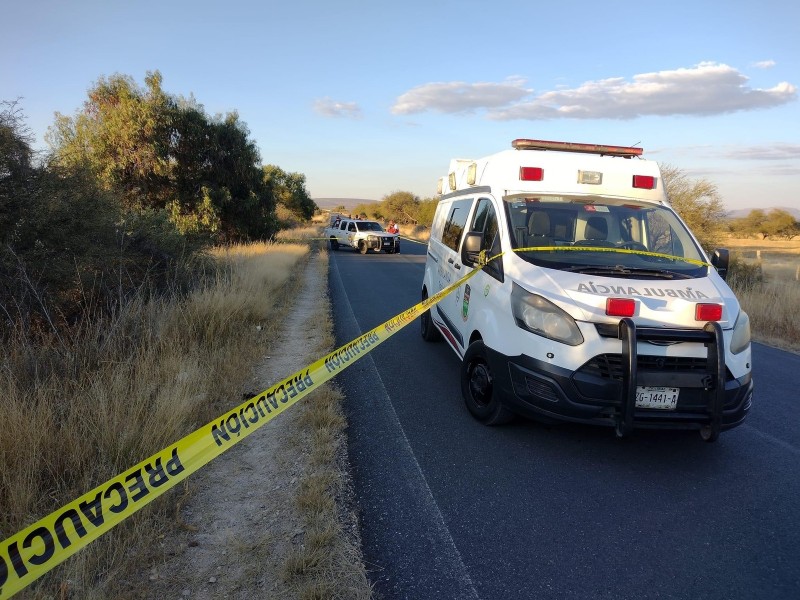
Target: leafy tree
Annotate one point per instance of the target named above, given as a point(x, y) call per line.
point(781, 224)
point(289, 190)
point(67, 245)
point(427, 208)
point(752, 224)
point(162, 153)
point(122, 135)
point(698, 203)
point(403, 207)
point(778, 224)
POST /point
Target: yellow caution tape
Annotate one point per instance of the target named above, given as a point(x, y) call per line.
point(692, 261)
point(29, 554)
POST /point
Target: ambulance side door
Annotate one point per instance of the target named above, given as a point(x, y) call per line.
point(450, 270)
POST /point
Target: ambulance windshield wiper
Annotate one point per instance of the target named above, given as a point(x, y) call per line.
point(620, 271)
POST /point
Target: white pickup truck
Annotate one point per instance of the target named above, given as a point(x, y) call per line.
point(361, 235)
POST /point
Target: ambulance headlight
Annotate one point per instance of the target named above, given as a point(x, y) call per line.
point(741, 333)
point(544, 318)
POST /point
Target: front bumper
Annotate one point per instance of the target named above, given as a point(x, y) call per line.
point(386, 243)
point(603, 390)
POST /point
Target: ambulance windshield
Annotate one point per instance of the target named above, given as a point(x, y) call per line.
point(611, 237)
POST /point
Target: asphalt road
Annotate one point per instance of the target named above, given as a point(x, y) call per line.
point(450, 508)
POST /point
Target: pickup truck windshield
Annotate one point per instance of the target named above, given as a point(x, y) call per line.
point(610, 237)
point(368, 226)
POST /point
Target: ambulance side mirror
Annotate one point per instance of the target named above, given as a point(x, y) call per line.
point(471, 248)
point(720, 260)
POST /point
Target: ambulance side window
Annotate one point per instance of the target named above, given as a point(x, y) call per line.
point(485, 222)
point(454, 226)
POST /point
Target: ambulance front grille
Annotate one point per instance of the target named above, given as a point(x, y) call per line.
point(609, 366)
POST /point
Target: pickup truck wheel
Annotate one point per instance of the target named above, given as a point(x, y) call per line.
point(334, 244)
point(428, 330)
point(477, 388)
point(362, 247)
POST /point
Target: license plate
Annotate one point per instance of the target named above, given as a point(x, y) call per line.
point(659, 398)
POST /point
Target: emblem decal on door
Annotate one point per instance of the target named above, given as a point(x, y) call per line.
point(465, 306)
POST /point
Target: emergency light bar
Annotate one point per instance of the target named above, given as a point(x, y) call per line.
point(624, 151)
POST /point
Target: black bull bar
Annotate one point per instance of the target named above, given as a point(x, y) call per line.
point(712, 380)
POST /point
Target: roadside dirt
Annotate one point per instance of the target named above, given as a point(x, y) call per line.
point(240, 520)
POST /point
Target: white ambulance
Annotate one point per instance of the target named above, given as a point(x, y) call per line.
point(596, 305)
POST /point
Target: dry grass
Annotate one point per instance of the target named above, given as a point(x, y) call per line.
point(768, 286)
point(772, 306)
point(416, 232)
point(328, 563)
point(79, 411)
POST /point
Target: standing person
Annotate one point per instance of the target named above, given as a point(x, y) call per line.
point(392, 227)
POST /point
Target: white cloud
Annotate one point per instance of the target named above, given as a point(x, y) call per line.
point(771, 152)
point(705, 89)
point(459, 97)
point(764, 64)
point(328, 107)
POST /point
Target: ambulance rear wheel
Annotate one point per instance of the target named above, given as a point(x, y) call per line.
point(478, 390)
point(428, 330)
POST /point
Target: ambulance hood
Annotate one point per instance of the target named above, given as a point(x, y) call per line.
point(659, 302)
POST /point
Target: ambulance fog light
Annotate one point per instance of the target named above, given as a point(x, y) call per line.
point(542, 317)
point(741, 333)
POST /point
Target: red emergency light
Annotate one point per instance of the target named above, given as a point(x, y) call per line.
point(620, 307)
point(708, 312)
point(645, 182)
point(531, 174)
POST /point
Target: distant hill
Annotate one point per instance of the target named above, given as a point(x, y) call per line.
point(348, 203)
point(743, 212)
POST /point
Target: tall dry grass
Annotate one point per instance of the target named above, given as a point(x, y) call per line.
point(773, 309)
point(84, 407)
point(765, 276)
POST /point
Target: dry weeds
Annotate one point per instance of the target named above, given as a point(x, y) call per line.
point(155, 373)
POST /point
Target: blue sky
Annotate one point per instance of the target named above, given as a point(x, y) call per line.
point(370, 97)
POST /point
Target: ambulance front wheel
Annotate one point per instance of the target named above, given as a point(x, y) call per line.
point(477, 387)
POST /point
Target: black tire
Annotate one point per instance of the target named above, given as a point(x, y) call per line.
point(428, 330)
point(334, 244)
point(362, 247)
point(477, 388)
